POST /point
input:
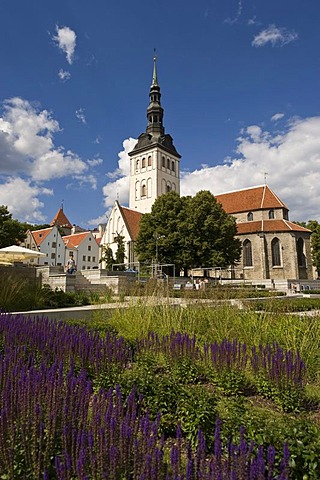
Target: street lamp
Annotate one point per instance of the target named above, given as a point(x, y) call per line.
point(157, 237)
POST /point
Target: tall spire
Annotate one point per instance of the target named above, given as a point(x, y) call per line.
point(154, 76)
point(155, 111)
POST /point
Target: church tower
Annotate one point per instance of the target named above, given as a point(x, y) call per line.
point(154, 161)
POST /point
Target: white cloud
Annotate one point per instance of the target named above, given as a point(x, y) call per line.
point(64, 75)
point(119, 188)
point(66, 40)
point(275, 36)
point(21, 197)
point(28, 153)
point(277, 116)
point(27, 146)
point(292, 160)
point(81, 116)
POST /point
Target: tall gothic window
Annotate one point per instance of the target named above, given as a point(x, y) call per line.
point(173, 166)
point(247, 253)
point(300, 253)
point(275, 252)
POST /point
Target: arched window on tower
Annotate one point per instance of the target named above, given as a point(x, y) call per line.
point(137, 192)
point(163, 162)
point(137, 165)
point(250, 217)
point(149, 161)
point(168, 187)
point(247, 253)
point(168, 163)
point(143, 190)
point(300, 253)
point(149, 187)
point(275, 252)
point(143, 163)
point(173, 167)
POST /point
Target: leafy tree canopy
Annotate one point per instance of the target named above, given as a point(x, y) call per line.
point(11, 231)
point(314, 226)
point(188, 232)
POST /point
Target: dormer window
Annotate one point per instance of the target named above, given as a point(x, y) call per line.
point(250, 217)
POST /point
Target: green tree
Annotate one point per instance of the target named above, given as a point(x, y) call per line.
point(120, 253)
point(314, 226)
point(11, 231)
point(160, 236)
point(188, 232)
point(107, 256)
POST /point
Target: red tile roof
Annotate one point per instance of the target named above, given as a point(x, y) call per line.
point(61, 220)
point(269, 226)
point(250, 199)
point(40, 235)
point(132, 219)
point(73, 241)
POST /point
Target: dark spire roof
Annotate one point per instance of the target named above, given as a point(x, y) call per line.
point(155, 133)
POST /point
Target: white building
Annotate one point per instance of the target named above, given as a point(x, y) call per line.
point(48, 241)
point(84, 248)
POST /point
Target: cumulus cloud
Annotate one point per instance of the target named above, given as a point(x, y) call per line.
point(28, 153)
point(292, 160)
point(275, 36)
point(27, 146)
point(81, 116)
point(21, 197)
point(66, 41)
point(119, 187)
point(64, 75)
point(277, 116)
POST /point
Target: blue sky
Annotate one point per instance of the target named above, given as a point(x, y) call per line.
point(240, 88)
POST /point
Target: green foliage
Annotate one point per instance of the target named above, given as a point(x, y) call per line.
point(120, 253)
point(314, 226)
point(107, 256)
point(188, 232)
point(11, 231)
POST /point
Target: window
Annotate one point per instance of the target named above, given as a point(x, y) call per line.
point(168, 163)
point(89, 258)
point(247, 254)
point(40, 235)
point(149, 161)
point(300, 253)
point(137, 165)
point(250, 217)
point(275, 252)
point(285, 214)
point(53, 255)
point(143, 163)
point(93, 259)
point(84, 258)
point(143, 190)
point(163, 162)
point(54, 244)
point(89, 248)
point(173, 166)
point(271, 214)
point(168, 187)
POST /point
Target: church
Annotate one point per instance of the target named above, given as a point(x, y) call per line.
point(272, 246)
